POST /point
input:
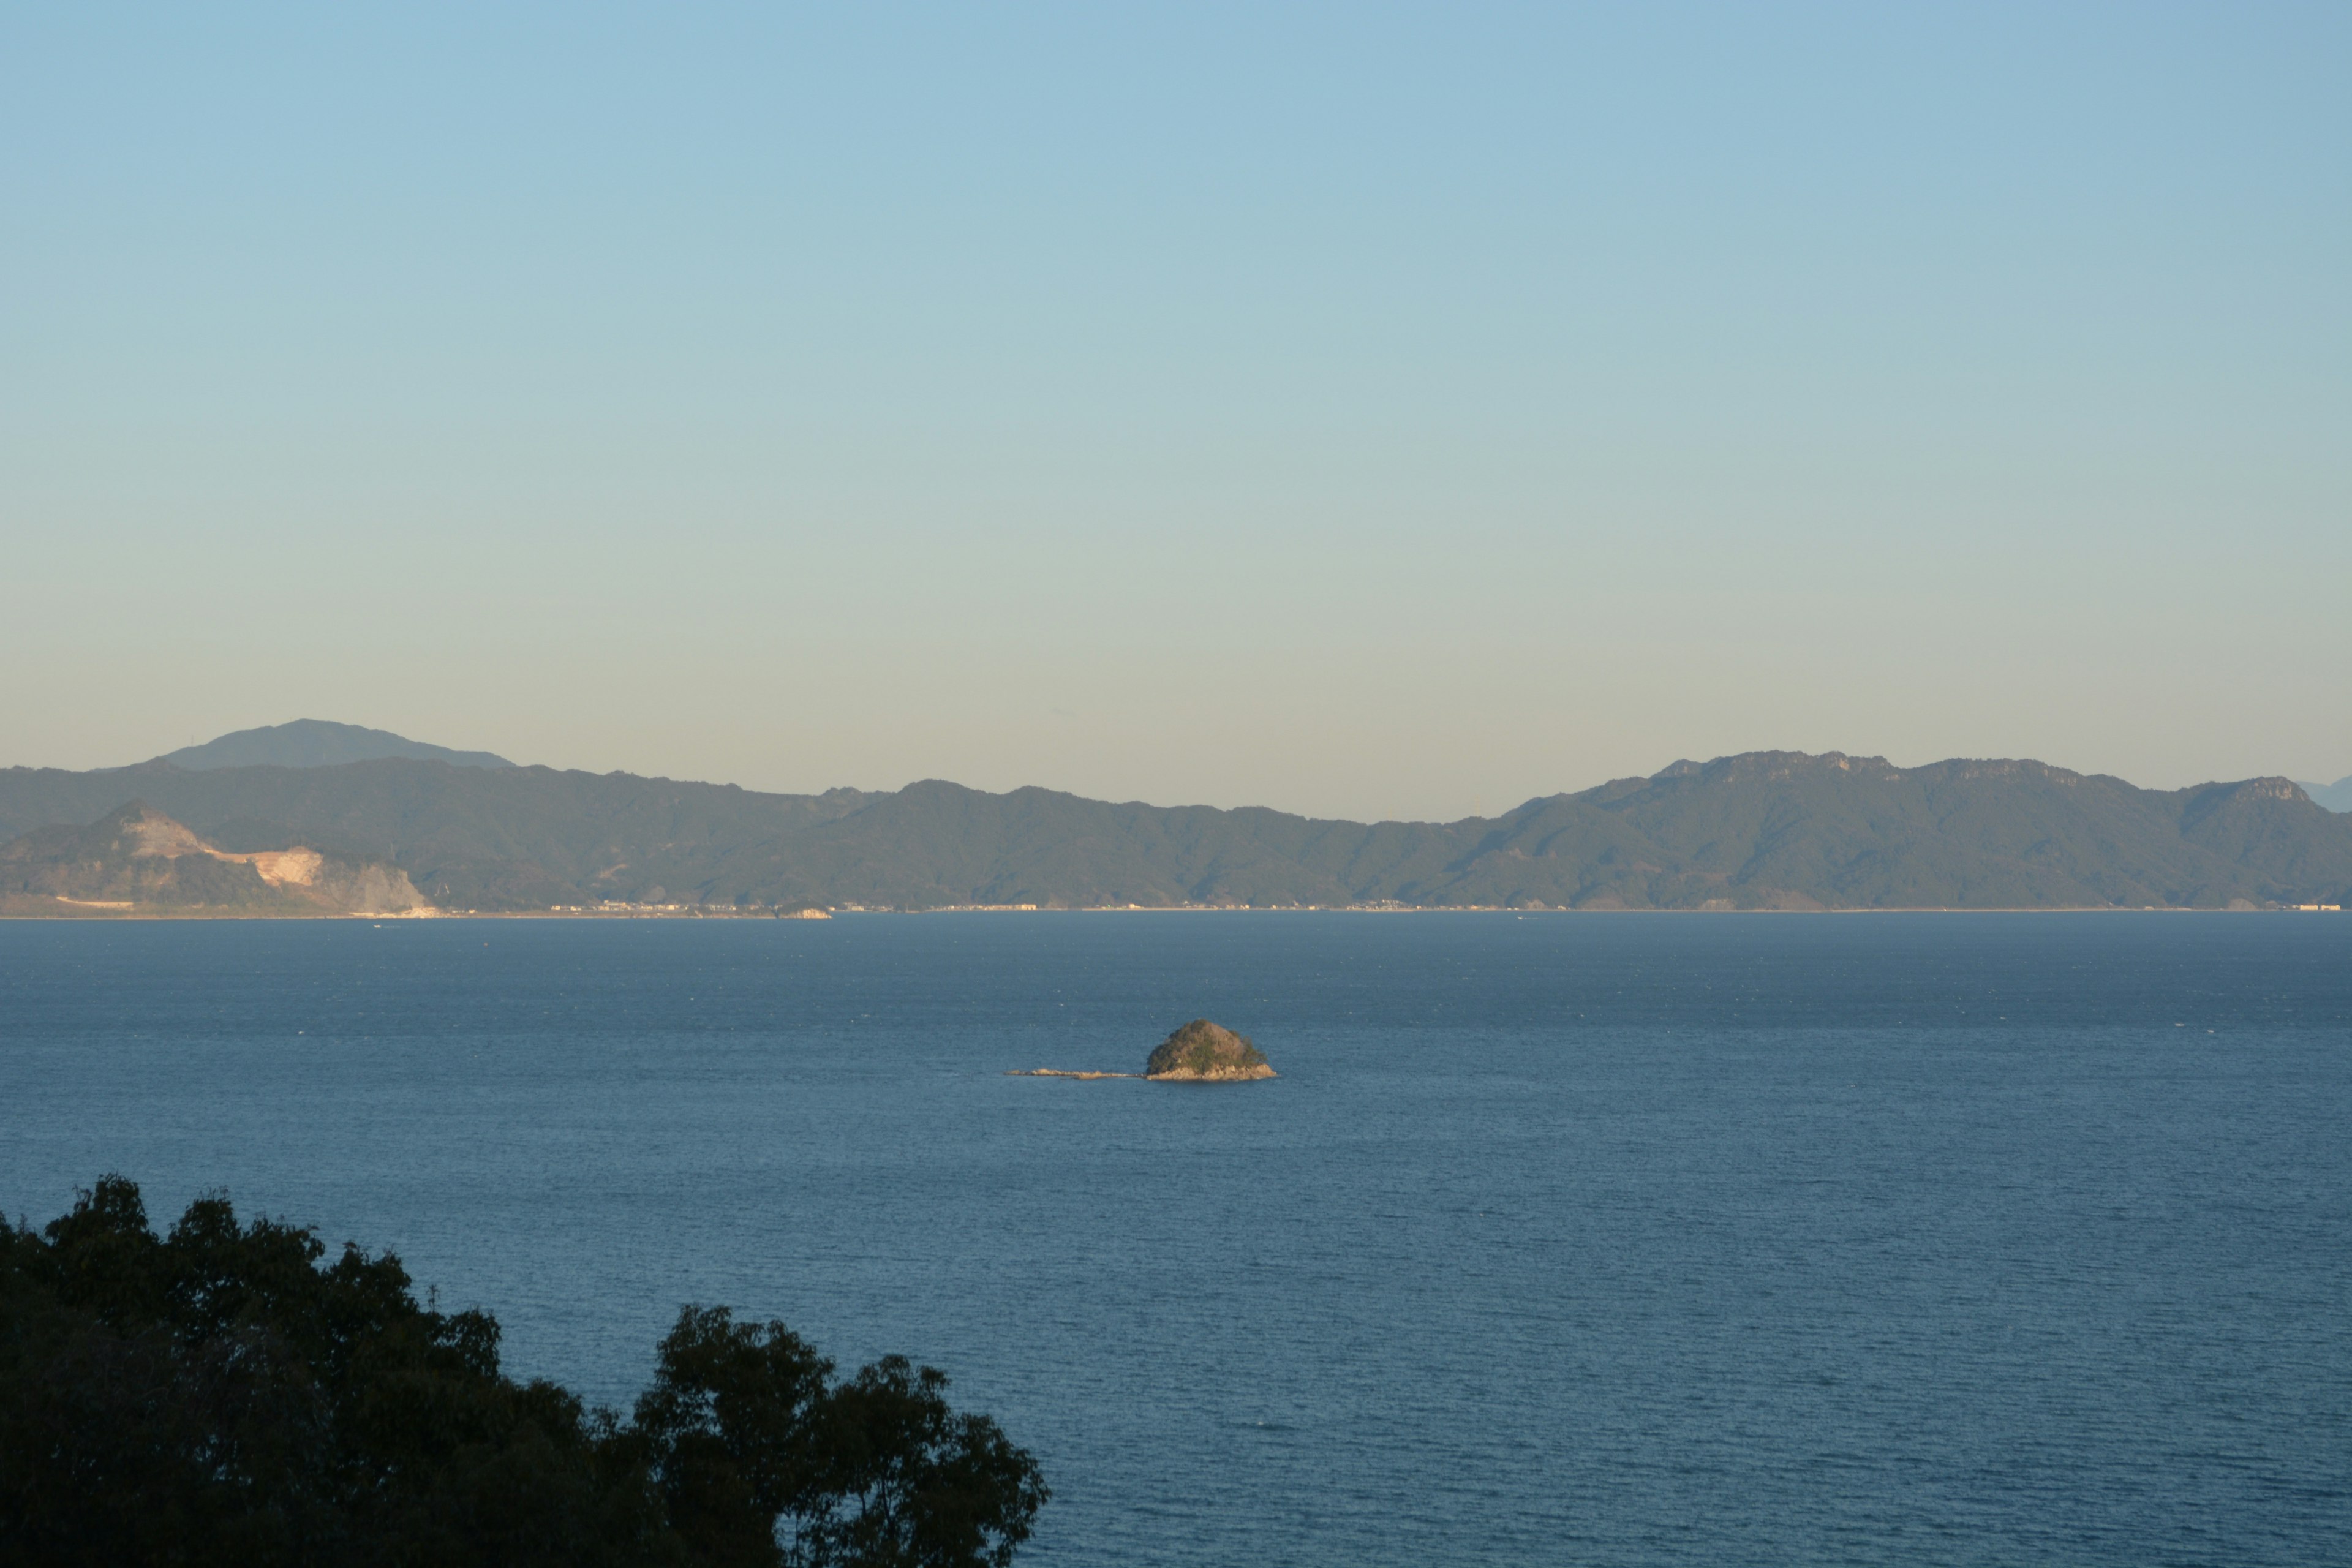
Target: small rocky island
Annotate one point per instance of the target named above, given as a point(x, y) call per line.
point(1202, 1052)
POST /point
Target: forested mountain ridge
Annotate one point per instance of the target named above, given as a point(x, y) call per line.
point(1760, 830)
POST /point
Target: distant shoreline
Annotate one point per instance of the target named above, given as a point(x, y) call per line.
point(87, 914)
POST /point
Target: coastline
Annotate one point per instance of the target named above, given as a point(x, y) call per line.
point(85, 912)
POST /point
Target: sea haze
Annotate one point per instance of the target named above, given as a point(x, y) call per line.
point(1596, 1239)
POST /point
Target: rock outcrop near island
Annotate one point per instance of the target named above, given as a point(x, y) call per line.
point(1202, 1052)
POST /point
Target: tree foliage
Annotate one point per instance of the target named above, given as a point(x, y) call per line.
point(223, 1394)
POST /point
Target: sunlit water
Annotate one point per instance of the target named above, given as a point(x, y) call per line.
point(1611, 1239)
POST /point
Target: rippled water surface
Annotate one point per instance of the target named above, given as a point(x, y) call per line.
point(1610, 1239)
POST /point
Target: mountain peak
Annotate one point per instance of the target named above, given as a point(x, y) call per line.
point(317, 743)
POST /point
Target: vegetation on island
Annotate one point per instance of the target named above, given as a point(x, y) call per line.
point(223, 1394)
point(1206, 1052)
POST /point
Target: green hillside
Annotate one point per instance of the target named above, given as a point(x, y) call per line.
point(1762, 830)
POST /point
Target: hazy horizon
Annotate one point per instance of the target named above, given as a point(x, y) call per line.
point(1367, 413)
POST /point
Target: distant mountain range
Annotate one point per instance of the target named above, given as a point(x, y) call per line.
point(317, 743)
point(1761, 830)
point(2337, 796)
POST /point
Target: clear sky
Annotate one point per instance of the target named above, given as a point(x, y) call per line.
point(1356, 409)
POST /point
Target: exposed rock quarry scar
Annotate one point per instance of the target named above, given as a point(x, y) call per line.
point(162, 839)
point(279, 866)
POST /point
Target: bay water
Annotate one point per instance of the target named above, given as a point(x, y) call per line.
point(1626, 1239)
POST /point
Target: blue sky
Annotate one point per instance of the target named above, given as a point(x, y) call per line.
point(1379, 411)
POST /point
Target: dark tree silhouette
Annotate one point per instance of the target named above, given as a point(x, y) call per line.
point(221, 1395)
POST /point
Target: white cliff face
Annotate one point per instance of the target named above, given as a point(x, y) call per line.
point(367, 888)
point(156, 837)
point(279, 868)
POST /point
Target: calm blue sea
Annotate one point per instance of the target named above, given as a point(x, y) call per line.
point(1568, 1239)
